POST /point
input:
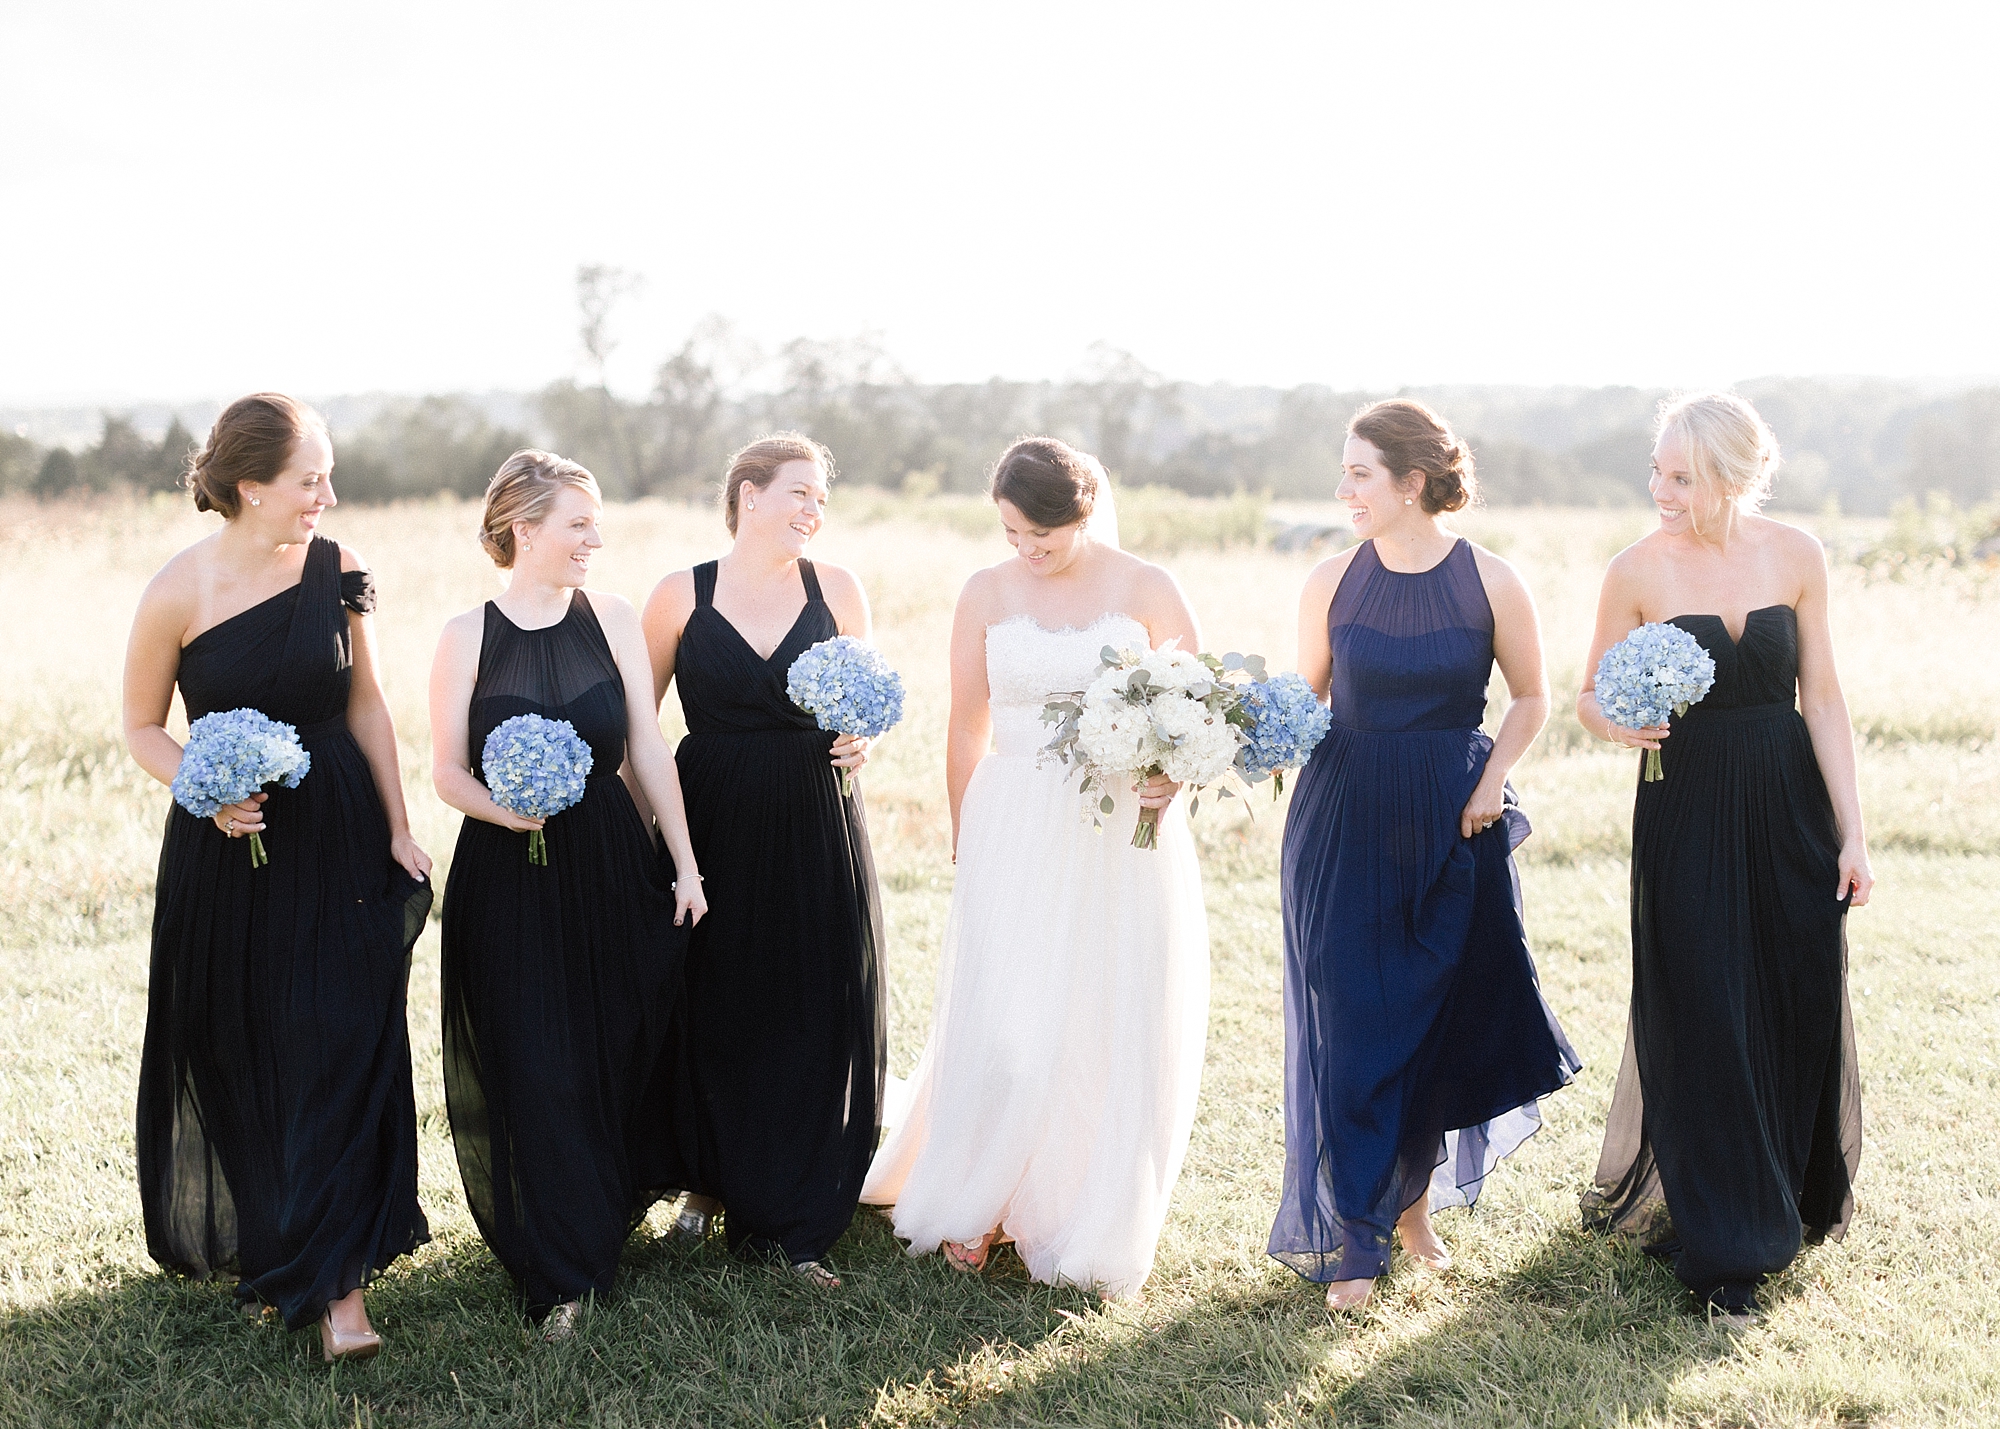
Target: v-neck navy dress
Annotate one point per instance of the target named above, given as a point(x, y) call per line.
point(770, 1097)
point(1738, 1108)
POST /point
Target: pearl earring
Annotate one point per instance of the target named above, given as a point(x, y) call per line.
point(749, 506)
point(255, 502)
point(1409, 501)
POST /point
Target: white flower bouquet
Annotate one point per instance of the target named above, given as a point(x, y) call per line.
point(1149, 713)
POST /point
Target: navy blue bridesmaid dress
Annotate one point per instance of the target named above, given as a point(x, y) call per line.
point(1417, 1041)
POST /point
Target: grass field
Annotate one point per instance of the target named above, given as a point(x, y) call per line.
point(1536, 1324)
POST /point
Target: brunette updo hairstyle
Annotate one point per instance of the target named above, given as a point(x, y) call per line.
point(1413, 438)
point(758, 464)
point(253, 440)
point(1731, 452)
point(524, 489)
point(1049, 482)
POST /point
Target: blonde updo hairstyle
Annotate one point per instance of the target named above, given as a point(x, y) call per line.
point(758, 464)
point(1730, 451)
point(1414, 439)
point(253, 440)
point(1048, 481)
point(524, 489)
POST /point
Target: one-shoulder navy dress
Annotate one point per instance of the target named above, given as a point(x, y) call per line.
point(277, 1132)
point(1417, 1042)
point(1735, 1132)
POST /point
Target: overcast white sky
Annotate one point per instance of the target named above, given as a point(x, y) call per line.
point(205, 199)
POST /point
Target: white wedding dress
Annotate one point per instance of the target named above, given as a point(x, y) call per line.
point(1057, 1089)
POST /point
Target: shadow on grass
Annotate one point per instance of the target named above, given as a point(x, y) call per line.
point(1583, 1331)
point(693, 1336)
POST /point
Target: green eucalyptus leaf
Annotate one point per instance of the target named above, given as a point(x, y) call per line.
point(1107, 804)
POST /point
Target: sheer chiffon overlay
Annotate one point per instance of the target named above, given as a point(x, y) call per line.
point(559, 980)
point(769, 1096)
point(277, 1130)
point(1056, 1093)
point(1417, 1041)
point(1735, 1131)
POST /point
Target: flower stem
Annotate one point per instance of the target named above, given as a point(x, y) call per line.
point(538, 848)
point(258, 858)
point(1653, 772)
point(1145, 833)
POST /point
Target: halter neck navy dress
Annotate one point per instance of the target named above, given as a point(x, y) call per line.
point(1417, 1041)
point(772, 1100)
point(277, 1132)
point(558, 981)
point(1735, 1131)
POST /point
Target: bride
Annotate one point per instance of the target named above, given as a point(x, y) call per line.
point(1053, 1101)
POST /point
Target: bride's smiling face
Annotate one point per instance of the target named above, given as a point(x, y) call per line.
point(1044, 550)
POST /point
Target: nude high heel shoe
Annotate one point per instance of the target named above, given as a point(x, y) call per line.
point(351, 1345)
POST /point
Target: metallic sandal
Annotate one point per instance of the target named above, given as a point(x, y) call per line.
point(815, 1274)
point(561, 1323)
point(691, 1225)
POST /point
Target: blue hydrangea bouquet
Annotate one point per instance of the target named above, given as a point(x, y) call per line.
point(848, 688)
point(1285, 723)
point(535, 767)
point(1652, 674)
point(230, 755)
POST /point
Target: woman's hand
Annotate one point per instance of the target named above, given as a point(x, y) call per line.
point(236, 820)
point(519, 823)
point(1483, 809)
point(413, 860)
point(689, 901)
point(850, 751)
point(1857, 880)
point(1635, 738)
point(1157, 792)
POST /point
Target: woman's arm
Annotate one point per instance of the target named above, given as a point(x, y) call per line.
point(1315, 601)
point(1517, 646)
point(1824, 708)
point(1619, 613)
point(660, 624)
point(454, 671)
point(646, 750)
point(848, 600)
point(970, 732)
point(152, 664)
point(374, 729)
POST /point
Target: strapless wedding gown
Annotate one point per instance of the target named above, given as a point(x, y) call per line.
point(1056, 1092)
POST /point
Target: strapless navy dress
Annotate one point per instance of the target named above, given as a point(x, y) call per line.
point(1417, 1041)
point(1735, 1131)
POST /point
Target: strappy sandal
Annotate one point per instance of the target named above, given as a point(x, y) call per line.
point(815, 1274)
point(968, 1258)
point(561, 1323)
point(691, 1226)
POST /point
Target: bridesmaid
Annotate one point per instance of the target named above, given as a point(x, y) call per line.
point(558, 978)
point(1417, 1042)
point(1738, 1108)
point(771, 1102)
point(277, 1132)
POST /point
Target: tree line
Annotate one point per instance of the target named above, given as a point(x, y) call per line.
point(1863, 443)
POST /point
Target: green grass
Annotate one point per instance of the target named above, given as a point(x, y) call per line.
point(1536, 1324)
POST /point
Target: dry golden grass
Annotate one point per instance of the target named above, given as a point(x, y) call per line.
point(1536, 1325)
